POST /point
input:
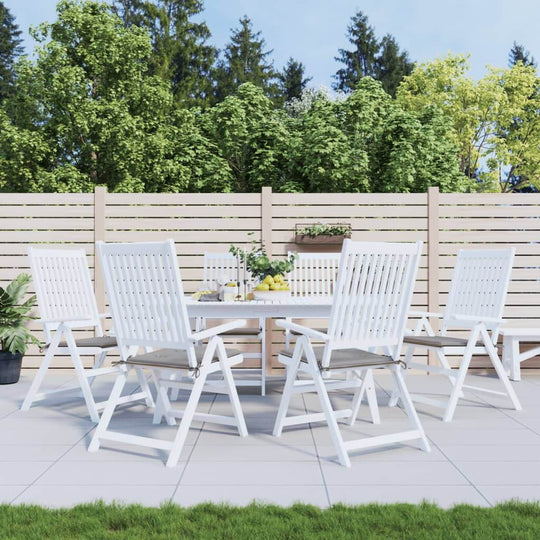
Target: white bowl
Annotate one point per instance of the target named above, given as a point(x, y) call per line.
point(271, 295)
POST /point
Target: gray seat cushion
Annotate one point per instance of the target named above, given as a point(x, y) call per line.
point(171, 358)
point(438, 341)
point(322, 330)
point(103, 342)
point(242, 332)
point(349, 358)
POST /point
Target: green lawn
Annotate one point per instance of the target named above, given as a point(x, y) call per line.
point(510, 520)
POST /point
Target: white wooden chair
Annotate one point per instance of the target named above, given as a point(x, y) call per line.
point(369, 313)
point(149, 312)
point(475, 303)
point(66, 303)
point(225, 266)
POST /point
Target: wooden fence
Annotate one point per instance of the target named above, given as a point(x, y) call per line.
point(200, 222)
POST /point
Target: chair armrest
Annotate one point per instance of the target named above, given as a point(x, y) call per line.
point(426, 314)
point(71, 323)
point(304, 330)
point(215, 330)
point(477, 318)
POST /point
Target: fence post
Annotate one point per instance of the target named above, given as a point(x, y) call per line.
point(100, 194)
point(267, 242)
point(433, 258)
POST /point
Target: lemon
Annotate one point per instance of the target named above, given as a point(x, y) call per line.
point(278, 278)
point(269, 280)
point(262, 287)
point(275, 287)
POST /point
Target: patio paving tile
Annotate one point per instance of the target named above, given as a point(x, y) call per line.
point(491, 452)
point(255, 453)
point(20, 472)
point(32, 452)
point(394, 473)
point(115, 451)
point(495, 473)
point(445, 496)
point(68, 496)
point(151, 472)
point(481, 436)
point(499, 494)
point(232, 473)
point(8, 493)
point(398, 452)
point(43, 431)
point(243, 495)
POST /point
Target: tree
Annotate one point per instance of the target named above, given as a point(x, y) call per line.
point(292, 80)
point(495, 121)
point(10, 49)
point(181, 54)
point(519, 54)
point(244, 60)
point(87, 113)
point(381, 60)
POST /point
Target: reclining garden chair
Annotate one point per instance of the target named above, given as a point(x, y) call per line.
point(369, 312)
point(149, 312)
point(66, 303)
point(476, 303)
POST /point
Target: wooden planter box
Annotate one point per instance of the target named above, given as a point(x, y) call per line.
point(321, 238)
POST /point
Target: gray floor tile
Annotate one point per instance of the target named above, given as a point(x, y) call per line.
point(442, 437)
point(498, 473)
point(499, 494)
point(115, 451)
point(257, 452)
point(20, 472)
point(445, 496)
point(252, 473)
point(151, 472)
point(9, 493)
point(243, 495)
point(68, 496)
point(432, 473)
point(32, 452)
point(398, 452)
point(491, 452)
point(43, 431)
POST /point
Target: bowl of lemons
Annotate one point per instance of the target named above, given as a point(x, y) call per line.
point(272, 288)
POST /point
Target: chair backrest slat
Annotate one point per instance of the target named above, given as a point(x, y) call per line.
point(372, 295)
point(313, 274)
point(479, 286)
point(63, 286)
point(146, 295)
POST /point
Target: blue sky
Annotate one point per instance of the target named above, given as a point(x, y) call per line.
point(313, 30)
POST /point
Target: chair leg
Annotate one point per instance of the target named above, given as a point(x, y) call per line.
point(292, 371)
point(106, 416)
point(328, 411)
point(460, 379)
point(231, 387)
point(262, 326)
point(81, 376)
point(187, 418)
point(163, 405)
point(394, 398)
point(408, 405)
point(145, 387)
point(501, 372)
point(97, 364)
point(40, 375)
point(367, 387)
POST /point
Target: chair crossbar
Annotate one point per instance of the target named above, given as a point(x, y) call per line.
point(486, 390)
point(421, 398)
point(206, 417)
point(382, 440)
point(330, 385)
point(314, 417)
point(149, 442)
point(125, 399)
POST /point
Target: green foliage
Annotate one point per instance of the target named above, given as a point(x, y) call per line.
point(10, 49)
point(518, 53)
point(256, 521)
point(381, 60)
point(292, 81)
point(494, 122)
point(326, 229)
point(14, 316)
point(259, 264)
point(180, 53)
point(244, 60)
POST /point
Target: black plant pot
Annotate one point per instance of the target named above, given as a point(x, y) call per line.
point(10, 367)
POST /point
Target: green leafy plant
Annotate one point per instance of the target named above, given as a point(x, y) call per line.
point(14, 316)
point(259, 264)
point(327, 229)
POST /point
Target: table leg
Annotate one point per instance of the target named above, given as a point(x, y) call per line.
point(511, 357)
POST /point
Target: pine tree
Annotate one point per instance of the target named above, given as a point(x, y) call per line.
point(181, 54)
point(245, 60)
point(10, 49)
point(383, 60)
point(519, 54)
point(292, 80)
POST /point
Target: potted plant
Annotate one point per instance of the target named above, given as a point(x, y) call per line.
point(14, 333)
point(322, 233)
